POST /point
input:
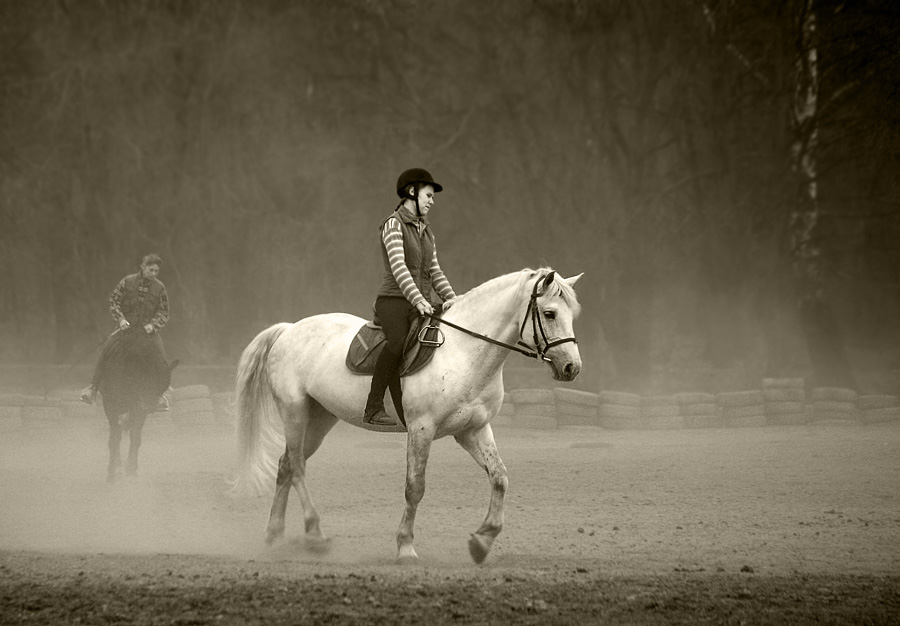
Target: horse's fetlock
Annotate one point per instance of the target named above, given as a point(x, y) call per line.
point(311, 524)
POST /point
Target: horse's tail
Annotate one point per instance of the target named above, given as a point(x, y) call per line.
point(258, 433)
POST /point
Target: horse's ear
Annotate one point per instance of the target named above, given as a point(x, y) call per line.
point(549, 278)
point(574, 279)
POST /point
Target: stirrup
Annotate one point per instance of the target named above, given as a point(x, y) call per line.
point(433, 343)
point(162, 405)
point(88, 396)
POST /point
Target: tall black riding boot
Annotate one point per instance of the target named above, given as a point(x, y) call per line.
point(385, 369)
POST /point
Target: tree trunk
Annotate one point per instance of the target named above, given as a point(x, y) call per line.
point(827, 353)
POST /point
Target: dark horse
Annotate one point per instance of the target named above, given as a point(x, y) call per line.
point(135, 375)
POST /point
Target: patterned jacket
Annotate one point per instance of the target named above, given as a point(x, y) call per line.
point(141, 301)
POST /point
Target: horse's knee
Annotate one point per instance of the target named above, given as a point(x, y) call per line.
point(415, 491)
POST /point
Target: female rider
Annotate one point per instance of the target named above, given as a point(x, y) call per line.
point(411, 271)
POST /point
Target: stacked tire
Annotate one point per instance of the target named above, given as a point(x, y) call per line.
point(877, 409)
point(192, 407)
point(699, 410)
point(784, 400)
point(535, 408)
point(741, 409)
point(833, 404)
point(40, 413)
point(76, 413)
point(576, 408)
point(660, 413)
point(618, 410)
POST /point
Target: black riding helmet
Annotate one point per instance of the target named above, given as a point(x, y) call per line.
point(418, 177)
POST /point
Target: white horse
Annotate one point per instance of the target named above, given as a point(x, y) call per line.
point(298, 371)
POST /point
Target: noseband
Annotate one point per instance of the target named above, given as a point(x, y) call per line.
point(533, 312)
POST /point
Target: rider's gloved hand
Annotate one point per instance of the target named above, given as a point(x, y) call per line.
point(123, 324)
point(424, 308)
point(148, 328)
point(447, 304)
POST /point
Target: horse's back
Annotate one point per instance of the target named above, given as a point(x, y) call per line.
point(325, 336)
point(326, 327)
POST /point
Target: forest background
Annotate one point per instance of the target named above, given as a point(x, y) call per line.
point(725, 173)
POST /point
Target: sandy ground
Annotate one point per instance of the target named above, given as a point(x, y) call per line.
point(753, 525)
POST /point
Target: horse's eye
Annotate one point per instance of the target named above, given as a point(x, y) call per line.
point(550, 315)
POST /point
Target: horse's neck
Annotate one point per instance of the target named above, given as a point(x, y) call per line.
point(495, 313)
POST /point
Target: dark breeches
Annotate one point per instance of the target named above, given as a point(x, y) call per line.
point(396, 315)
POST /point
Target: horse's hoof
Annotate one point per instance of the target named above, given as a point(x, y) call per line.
point(272, 536)
point(478, 549)
point(407, 556)
point(318, 544)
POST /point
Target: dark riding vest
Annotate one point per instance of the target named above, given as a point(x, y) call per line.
point(418, 251)
point(137, 306)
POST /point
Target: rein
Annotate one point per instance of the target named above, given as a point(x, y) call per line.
point(534, 312)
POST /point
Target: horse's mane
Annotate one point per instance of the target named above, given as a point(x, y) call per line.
point(558, 288)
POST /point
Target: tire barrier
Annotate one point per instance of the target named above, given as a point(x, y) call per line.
point(832, 404)
point(576, 408)
point(784, 400)
point(28, 413)
point(875, 409)
point(699, 410)
point(618, 410)
point(780, 402)
point(659, 413)
point(534, 408)
point(192, 407)
point(741, 409)
point(190, 392)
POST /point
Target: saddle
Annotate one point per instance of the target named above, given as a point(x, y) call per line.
point(423, 337)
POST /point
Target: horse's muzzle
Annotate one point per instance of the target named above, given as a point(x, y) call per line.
point(566, 371)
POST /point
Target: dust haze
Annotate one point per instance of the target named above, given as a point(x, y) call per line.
point(813, 499)
point(55, 497)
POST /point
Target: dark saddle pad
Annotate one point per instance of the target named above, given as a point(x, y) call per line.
point(370, 340)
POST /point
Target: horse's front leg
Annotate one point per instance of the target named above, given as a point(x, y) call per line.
point(480, 444)
point(418, 447)
point(113, 443)
point(136, 427)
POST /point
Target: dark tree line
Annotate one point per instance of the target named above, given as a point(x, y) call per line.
point(723, 172)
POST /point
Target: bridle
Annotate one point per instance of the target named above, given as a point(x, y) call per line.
point(533, 312)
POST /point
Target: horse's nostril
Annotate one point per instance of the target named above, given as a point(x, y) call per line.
point(568, 369)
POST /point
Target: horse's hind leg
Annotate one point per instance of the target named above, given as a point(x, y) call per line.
point(305, 426)
point(480, 444)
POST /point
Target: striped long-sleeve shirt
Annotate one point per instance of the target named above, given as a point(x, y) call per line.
point(392, 236)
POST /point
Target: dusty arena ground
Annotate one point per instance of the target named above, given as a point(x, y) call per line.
point(790, 525)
